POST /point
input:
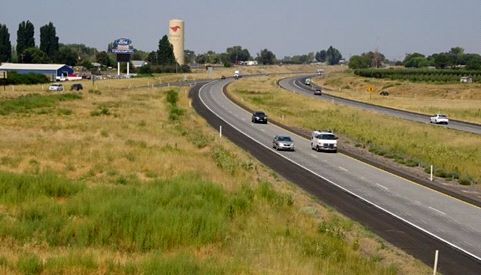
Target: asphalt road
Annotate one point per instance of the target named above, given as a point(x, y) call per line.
point(412, 217)
point(296, 84)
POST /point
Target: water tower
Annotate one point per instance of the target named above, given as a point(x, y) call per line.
point(176, 38)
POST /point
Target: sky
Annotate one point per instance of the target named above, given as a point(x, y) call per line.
point(284, 27)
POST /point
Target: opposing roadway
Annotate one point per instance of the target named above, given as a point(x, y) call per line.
point(296, 84)
point(410, 216)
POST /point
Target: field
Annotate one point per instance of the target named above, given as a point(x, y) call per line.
point(459, 101)
point(132, 181)
point(454, 154)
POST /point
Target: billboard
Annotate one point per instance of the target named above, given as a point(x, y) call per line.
point(123, 46)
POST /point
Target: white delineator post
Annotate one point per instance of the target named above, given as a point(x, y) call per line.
point(220, 131)
point(431, 177)
point(436, 254)
point(128, 67)
point(118, 68)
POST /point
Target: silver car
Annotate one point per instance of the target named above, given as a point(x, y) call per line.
point(283, 143)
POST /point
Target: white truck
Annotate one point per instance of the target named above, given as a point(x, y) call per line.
point(237, 74)
point(307, 81)
point(323, 141)
point(439, 119)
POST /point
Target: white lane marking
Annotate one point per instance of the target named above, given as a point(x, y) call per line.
point(236, 115)
point(324, 160)
point(342, 168)
point(382, 186)
point(314, 156)
point(363, 178)
point(343, 188)
point(442, 213)
point(263, 130)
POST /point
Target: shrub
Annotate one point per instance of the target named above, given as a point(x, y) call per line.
point(30, 264)
point(29, 79)
point(465, 180)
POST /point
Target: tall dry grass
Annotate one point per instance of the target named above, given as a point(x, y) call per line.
point(117, 186)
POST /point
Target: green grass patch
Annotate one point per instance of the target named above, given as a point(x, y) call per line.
point(26, 103)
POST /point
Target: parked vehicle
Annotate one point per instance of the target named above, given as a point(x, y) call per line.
point(222, 77)
point(384, 93)
point(55, 87)
point(323, 141)
point(259, 117)
point(76, 87)
point(439, 119)
point(283, 143)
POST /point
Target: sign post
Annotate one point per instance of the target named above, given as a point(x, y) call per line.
point(370, 89)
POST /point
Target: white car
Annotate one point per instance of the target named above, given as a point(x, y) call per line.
point(439, 119)
point(55, 87)
point(323, 141)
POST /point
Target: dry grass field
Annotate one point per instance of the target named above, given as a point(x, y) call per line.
point(453, 153)
point(459, 101)
point(120, 181)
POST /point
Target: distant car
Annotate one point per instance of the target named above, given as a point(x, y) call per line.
point(307, 81)
point(222, 77)
point(76, 87)
point(55, 87)
point(283, 143)
point(439, 119)
point(384, 93)
point(259, 117)
point(318, 91)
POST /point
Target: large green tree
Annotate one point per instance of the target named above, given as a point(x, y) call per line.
point(165, 53)
point(152, 58)
point(5, 44)
point(66, 56)
point(333, 56)
point(359, 62)
point(266, 57)
point(25, 39)
point(49, 40)
point(236, 54)
point(321, 56)
point(103, 58)
point(36, 56)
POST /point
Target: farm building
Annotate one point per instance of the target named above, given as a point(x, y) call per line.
point(57, 70)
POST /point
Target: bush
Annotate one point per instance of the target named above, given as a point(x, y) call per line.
point(465, 180)
point(29, 79)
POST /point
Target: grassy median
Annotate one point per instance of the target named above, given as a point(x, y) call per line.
point(134, 182)
point(455, 154)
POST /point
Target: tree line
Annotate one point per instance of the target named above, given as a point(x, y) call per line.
point(50, 50)
point(454, 59)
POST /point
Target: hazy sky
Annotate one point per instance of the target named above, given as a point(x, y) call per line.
point(285, 27)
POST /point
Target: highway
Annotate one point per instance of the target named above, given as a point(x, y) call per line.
point(412, 217)
point(296, 84)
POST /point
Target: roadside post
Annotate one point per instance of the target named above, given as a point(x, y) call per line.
point(220, 131)
point(3, 76)
point(431, 175)
point(436, 254)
